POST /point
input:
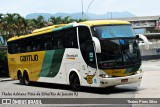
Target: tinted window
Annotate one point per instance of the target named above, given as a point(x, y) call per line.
point(71, 38)
point(114, 31)
point(86, 46)
point(55, 40)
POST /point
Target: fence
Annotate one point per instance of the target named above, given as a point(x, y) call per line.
point(152, 53)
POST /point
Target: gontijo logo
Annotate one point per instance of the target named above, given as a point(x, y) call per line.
point(29, 58)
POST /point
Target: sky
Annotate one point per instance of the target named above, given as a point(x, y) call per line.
point(136, 7)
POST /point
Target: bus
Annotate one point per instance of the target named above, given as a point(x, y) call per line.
point(97, 53)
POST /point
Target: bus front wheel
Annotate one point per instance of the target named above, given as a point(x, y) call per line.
point(74, 81)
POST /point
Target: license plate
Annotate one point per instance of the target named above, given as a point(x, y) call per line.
point(124, 80)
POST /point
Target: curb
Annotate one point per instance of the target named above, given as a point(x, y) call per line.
point(5, 79)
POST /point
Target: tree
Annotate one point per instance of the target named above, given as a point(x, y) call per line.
point(40, 22)
point(15, 25)
point(53, 20)
point(59, 20)
point(4, 64)
point(31, 25)
point(66, 20)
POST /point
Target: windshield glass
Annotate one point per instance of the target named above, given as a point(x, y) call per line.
point(113, 31)
point(119, 47)
point(118, 53)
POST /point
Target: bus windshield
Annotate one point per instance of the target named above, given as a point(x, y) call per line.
point(118, 46)
point(113, 31)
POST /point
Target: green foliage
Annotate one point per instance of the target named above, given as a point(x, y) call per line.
point(3, 63)
point(15, 25)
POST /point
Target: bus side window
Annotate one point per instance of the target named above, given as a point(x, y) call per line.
point(86, 46)
point(37, 43)
point(60, 44)
point(21, 46)
point(54, 40)
point(60, 39)
point(18, 50)
point(48, 46)
point(12, 47)
point(27, 44)
point(84, 36)
point(54, 43)
point(16, 46)
point(71, 38)
point(47, 41)
point(29, 48)
point(41, 46)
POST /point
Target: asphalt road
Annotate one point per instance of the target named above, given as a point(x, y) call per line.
point(148, 88)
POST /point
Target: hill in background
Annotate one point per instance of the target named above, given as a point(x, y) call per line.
point(89, 16)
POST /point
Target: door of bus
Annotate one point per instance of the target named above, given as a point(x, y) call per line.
point(88, 54)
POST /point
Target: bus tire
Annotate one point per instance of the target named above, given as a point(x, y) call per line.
point(26, 78)
point(20, 78)
point(74, 82)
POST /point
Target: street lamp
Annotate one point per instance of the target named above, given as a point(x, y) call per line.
point(89, 6)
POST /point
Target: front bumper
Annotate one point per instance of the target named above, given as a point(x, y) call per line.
point(106, 82)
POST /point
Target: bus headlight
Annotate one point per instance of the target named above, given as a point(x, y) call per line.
point(104, 76)
point(139, 71)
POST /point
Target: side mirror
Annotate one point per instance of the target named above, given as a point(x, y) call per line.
point(146, 42)
point(97, 45)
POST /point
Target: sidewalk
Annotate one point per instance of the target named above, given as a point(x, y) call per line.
point(5, 79)
point(153, 60)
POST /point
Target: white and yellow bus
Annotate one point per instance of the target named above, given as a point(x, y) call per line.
point(99, 53)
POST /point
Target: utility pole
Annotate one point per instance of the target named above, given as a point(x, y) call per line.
point(89, 6)
point(110, 14)
point(82, 8)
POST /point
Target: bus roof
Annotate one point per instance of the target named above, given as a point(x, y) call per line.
point(64, 26)
point(41, 31)
point(103, 22)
